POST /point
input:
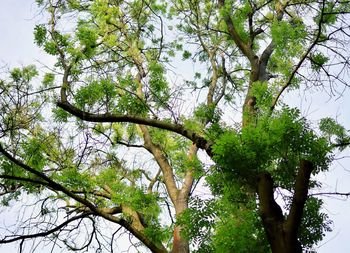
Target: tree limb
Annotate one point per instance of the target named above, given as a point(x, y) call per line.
point(244, 47)
point(107, 117)
point(299, 197)
point(46, 233)
point(107, 214)
point(301, 61)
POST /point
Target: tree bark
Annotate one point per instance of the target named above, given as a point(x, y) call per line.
point(180, 243)
point(282, 233)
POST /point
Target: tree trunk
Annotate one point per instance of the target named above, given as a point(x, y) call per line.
point(282, 233)
point(281, 240)
point(180, 244)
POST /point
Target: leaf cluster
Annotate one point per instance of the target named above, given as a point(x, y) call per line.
point(276, 144)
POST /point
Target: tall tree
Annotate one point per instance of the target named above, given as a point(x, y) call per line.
point(115, 131)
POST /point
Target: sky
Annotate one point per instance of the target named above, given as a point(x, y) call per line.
point(17, 20)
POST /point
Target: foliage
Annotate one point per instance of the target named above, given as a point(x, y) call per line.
point(314, 222)
point(150, 102)
point(275, 144)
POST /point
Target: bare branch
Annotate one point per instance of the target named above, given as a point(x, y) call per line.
point(14, 238)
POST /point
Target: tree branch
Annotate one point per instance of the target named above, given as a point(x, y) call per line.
point(161, 159)
point(46, 233)
point(305, 55)
point(299, 197)
point(269, 209)
point(270, 212)
point(24, 179)
point(52, 184)
point(105, 213)
point(244, 47)
point(111, 118)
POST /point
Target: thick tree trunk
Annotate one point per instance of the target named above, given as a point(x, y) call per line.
point(281, 240)
point(180, 244)
point(282, 233)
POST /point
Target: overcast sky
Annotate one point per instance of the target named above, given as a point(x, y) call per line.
point(17, 20)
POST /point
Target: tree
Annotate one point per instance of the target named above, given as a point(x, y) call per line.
point(114, 95)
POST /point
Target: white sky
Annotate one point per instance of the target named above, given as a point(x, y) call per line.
point(17, 20)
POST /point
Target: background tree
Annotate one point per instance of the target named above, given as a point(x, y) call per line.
point(114, 133)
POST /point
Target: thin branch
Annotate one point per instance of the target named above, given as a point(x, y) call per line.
point(301, 61)
point(342, 194)
point(43, 234)
point(25, 179)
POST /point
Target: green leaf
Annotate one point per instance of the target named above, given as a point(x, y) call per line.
point(318, 60)
point(48, 80)
point(40, 34)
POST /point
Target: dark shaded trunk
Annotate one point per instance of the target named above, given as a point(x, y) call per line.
point(282, 233)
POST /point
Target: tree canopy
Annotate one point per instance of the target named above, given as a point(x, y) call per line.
point(151, 101)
